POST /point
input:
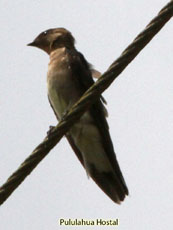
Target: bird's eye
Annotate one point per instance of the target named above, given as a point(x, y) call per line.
point(45, 32)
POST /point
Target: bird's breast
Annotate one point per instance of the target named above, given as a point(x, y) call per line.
point(62, 90)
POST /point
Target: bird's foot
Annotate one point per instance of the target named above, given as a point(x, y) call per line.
point(51, 128)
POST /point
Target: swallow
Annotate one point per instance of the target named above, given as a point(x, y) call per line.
point(69, 76)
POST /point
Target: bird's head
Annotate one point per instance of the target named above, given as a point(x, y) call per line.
point(52, 39)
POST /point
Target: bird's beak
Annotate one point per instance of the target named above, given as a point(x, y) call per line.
point(32, 44)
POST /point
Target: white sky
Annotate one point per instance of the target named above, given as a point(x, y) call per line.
point(140, 115)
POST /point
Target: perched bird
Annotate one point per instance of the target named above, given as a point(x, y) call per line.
point(69, 76)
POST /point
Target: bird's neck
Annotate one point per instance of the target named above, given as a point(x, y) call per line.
point(58, 56)
point(58, 45)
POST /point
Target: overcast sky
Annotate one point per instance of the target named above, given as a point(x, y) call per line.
point(140, 115)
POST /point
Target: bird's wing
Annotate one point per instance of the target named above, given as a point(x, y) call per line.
point(96, 74)
point(80, 68)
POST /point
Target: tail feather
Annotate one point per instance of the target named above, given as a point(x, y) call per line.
point(112, 182)
point(112, 185)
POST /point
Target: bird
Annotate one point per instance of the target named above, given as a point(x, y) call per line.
point(69, 76)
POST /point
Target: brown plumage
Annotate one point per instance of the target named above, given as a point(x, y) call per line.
point(69, 76)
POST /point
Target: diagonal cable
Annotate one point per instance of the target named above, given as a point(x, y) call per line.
point(86, 100)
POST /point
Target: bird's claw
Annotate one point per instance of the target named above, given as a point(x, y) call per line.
point(51, 128)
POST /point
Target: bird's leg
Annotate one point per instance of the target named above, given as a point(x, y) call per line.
point(51, 128)
point(66, 111)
